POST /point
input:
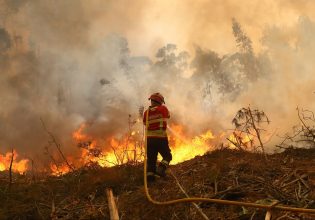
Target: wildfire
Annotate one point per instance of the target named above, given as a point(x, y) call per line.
point(130, 148)
point(78, 135)
point(112, 151)
point(19, 166)
point(242, 140)
point(59, 170)
point(2, 167)
point(184, 148)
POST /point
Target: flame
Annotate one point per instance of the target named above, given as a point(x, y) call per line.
point(2, 167)
point(78, 134)
point(129, 148)
point(59, 170)
point(184, 148)
point(19, 166)
point(115, 151)
point(112, 151)
point(121, 151)
point(243, 140)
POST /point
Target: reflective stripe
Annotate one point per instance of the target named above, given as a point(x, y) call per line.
point(165, 162)
point(161, 123)
point(157, 133)
point(156, 123)
point(161, 120)
point(150, 174)
point(153, 174)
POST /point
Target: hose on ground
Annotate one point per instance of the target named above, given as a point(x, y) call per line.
point(200, 199)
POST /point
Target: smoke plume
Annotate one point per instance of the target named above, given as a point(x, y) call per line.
point(73, 62)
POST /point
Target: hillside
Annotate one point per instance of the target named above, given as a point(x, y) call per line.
point(287, 177)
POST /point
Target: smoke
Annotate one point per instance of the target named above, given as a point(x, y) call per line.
point(68, 62)
point(292, 81)
point(289, 79)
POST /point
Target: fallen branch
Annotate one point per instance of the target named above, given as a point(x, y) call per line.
point(113, 211)
point(53, 209)
point(38, 211)
point(299, 178)
point(196, 206)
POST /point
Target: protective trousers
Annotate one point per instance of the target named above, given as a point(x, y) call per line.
point(155, 146)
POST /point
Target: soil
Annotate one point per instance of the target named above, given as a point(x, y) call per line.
point(286, 178)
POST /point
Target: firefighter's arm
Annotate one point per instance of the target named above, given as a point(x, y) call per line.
point(166, 113)
point(144, 117)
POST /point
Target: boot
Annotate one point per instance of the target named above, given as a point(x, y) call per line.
point(161, 170)
point(150, 177)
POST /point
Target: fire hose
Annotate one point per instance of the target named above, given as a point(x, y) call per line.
point(201, 199)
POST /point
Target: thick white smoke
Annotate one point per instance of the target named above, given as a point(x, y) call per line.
point(64, 63)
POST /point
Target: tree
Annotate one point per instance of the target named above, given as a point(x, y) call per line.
point(5, 40)
point(206, 64)
point(169, 59)
point(247, 58)
point(248, 121)
point(243, 42)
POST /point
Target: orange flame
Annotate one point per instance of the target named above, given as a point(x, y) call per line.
point(59, 170)
point(130, 149)
point(244, 140)
point(184, 148)
point(78, 134)
point(19, 166)
point(116, 151)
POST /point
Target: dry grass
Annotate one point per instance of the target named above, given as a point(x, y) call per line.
point(288, 177)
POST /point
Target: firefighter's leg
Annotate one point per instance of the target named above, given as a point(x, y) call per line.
point(165, 151)
point(151, 159)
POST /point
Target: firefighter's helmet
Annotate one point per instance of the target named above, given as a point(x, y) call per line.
point(157, 97)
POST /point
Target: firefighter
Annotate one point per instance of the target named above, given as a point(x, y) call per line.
point(157, 141)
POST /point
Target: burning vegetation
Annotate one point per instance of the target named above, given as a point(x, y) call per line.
point(129, 149)
point(73, 99)
point(237, 169)
point(107, 142)
point(18, 165)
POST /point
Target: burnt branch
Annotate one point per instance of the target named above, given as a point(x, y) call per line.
point(308, 131)
point(10, 169)
point(248, 121)
point(303, 134)
point(58, 146)
point(52, 158)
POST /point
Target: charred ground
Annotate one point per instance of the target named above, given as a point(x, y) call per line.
point(288, 177)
